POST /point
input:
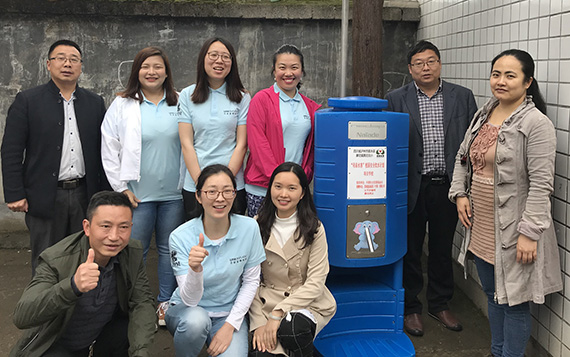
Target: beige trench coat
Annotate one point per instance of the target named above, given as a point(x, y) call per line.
point(293, 278)
point(524, 180)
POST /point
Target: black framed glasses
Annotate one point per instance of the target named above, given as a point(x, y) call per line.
point(214, 194)
point(63, 59)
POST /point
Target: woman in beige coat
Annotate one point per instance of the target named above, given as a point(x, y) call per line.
point(502, 182)
point(292, 303)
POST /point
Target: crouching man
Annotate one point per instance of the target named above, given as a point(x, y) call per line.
point(90, 294)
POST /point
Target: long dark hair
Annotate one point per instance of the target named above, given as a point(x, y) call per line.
point(206, 173)
point(306, 211)
point(234, 87)
point(134, 90)
point(289, 49)
point(527, 63)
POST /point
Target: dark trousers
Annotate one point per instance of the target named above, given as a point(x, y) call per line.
point(190, 204)
point(432, 207)
point(295, 335)
point(68, 215)
point(113, 341)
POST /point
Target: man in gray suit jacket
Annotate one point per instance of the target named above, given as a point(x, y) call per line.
point(440, 113)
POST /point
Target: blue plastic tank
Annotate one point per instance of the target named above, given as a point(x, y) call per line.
point(360, 191)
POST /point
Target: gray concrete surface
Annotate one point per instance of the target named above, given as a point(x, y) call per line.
point(473, 341)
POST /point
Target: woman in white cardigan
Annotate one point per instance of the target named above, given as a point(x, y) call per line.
point(141, 156)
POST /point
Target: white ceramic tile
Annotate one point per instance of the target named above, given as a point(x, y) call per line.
point(552, 98)
point(523, 29)
point(560, 187)
point(565, 74)
point(514, 30)
point(561, 163)
point(562, 142)
point(554, 48)
point(564, 94)
point(555, 6)
point(563, 117)
point(555, 26)
point(524, 6)
point(543, 27)
point(560, 211)
point(565, 350)
point(566, 293)
point(557, 306)
point(566, 333)
point(566, 266)
point(543, 336)
point(515, 12)
point(543, 7)
point(565, 46)
point(565, 24)
point(506, 32)
point(555, 346)
point(542, 53)
point(533, 29)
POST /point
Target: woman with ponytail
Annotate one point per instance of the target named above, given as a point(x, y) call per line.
point(502, 182)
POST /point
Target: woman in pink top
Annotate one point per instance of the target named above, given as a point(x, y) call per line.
point(280, 126)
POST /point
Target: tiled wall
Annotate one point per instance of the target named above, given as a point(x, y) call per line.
point(469, 33)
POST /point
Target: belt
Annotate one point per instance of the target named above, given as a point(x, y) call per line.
point(71, 184)
point(436, 179)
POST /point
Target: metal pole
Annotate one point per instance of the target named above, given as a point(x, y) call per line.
point(344, 48)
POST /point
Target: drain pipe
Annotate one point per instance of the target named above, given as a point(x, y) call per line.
point(344, 47)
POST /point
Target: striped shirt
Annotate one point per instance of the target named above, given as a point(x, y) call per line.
point(431, 115)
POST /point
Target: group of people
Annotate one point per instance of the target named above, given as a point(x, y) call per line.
point(170, 158)
point(492, 168)
point(175, 162)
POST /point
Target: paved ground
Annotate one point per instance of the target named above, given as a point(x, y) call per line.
point(473, 341)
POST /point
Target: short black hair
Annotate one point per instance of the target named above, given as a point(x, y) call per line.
point(107, 198)
point(421, 47)
point(63, 43)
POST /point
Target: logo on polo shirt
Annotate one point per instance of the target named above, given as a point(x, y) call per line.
point(238, 260)
point(231, 111)
point(174, 259)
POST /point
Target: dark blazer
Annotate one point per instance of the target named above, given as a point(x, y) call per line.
point(31, 148)
point(458, 109)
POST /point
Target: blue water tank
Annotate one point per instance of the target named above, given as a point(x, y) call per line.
point(360, 191)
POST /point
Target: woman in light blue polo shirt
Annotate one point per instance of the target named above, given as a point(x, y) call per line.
point(212, 127)
point(141, 156)
point(216, 259)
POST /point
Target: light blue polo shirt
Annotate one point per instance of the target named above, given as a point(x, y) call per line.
point(160, 153)
point(296, 123)
point(228, 258)
point(215, 125)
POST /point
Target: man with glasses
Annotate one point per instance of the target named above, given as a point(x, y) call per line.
point(51, 151)
point(440, 113)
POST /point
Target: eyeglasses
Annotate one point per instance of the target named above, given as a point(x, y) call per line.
point(213, 194)
point(63, 59)
point(420, 64)
point(213, 56)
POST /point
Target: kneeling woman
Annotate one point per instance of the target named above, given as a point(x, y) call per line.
point(216, 260)
point(292, 304)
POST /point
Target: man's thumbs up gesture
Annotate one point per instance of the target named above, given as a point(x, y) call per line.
point(197, 255)
point(87, 274)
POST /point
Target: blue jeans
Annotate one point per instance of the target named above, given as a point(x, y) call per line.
point(161, 217)
point(510, 325)
point(192, 328)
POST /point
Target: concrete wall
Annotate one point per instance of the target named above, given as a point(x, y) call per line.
point(113, 32)
point(469, 34)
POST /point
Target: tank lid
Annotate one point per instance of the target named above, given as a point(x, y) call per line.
point(358, 103)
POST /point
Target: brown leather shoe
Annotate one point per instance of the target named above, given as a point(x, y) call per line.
point(448, 320)
point(413, 324)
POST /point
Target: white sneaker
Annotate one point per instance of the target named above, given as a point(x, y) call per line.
point(161, 312)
